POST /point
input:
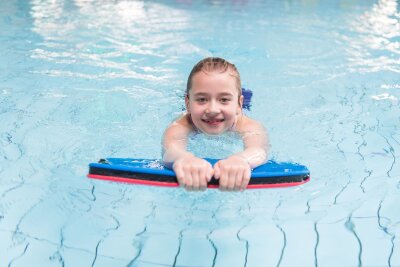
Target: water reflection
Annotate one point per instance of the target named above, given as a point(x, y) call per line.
point(107, 40)
point(376, 44)
point(384, 96)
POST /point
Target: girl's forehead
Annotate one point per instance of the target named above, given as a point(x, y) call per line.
point(213, 78)
point(213, 92)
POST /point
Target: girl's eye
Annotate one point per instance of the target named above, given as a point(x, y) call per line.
point(201, 100)
point(225, 100)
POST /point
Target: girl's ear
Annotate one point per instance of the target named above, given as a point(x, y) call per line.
point(187, 102)
point(241, 98)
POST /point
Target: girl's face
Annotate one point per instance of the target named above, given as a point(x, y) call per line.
point(213, 102)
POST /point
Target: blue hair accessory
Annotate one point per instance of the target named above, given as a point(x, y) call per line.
point(247, 94)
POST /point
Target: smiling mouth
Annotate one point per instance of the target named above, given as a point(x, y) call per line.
point(212, 121)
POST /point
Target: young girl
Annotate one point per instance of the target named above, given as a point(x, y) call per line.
point(213, 106)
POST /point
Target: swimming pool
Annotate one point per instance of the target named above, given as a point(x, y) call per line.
point(81, 80)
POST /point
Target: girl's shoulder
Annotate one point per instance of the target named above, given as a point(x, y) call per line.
point(183, 120)
point(246, 124)
point(183, 124)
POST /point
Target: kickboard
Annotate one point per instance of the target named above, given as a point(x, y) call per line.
point(152, 172)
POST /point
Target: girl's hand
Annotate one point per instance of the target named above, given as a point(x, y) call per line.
point(233, 173)
point(193, 173)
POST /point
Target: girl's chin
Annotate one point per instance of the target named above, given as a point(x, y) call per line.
point(211, 129)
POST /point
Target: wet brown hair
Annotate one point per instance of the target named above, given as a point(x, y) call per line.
point(214, 64)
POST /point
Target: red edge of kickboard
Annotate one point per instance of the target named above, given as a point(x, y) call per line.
point(169, 184)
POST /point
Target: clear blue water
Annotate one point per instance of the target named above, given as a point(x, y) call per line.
point(81, 80)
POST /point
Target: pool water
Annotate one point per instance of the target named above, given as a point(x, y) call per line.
point(82, 80)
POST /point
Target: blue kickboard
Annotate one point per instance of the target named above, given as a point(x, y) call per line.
point(153, 171)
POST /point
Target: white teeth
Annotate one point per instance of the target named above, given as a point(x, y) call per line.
point(212, 121)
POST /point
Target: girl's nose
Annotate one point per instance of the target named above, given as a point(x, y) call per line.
point(213, 107)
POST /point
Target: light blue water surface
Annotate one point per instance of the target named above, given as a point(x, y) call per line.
point(81, 80)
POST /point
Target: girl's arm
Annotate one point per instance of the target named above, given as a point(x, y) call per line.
point(175, 141)
point(256, 143)
point(234, 172)
point(193, 173)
